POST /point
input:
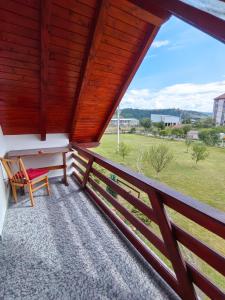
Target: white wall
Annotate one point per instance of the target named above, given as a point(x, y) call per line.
point(4, 187)
point(32, 141)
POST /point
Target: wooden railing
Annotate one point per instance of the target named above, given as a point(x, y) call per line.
point(90, 170)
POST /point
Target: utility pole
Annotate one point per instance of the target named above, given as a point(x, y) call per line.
point(118, 129)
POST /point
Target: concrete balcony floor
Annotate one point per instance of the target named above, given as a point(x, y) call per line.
point(64, 248)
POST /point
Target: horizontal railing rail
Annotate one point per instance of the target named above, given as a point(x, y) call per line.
point(92, 172)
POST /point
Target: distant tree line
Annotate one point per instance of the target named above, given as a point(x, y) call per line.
point(146, 113)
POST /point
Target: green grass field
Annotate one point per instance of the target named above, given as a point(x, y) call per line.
point(205, 182)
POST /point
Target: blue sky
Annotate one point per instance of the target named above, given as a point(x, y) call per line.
point(184, 68)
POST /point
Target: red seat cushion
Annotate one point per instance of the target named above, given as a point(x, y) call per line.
point(34, 173)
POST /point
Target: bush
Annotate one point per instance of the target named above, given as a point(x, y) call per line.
point(163, 132)
point(159, 157)
point(199, 152)
point(178, 132)
point(132, 130)
point(209, 136)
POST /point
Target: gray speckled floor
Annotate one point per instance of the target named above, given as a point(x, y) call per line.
point(64, 248)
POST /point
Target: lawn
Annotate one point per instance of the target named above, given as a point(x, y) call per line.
point(204, 181)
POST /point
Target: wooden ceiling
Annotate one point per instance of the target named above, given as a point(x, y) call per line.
point(65, 64)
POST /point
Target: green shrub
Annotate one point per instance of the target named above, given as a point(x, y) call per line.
point(209, 136)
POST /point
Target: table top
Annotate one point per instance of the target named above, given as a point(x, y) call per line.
point(40, 151)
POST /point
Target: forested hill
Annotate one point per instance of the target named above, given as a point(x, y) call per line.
point(146, 113)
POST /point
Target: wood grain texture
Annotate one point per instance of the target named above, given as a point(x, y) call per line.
point(45, 20)
point(77, 69)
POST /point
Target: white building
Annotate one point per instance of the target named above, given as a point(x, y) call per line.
point(168, 120)
point(125, 122)
point(219, 110)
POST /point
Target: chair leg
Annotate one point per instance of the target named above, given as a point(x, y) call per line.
point(31, 194)
point(48, 187)
point(14, 193)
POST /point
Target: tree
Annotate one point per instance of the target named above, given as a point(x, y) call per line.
point(186, 128)
point(178, 132)
point(124, 150)
point(160, 125)
point(146, 123)
point(199, 152)
point(159, 157)
point(186, 120)
point(188, 142)
point(205, 123)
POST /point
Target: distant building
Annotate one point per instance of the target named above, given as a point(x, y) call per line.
point(219, 110)
point(192, 134)
point(125, 122)
point(168, 120)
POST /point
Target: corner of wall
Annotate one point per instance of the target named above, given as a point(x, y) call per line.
point(4, 188)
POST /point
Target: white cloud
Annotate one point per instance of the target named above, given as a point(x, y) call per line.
point(189, 96)
point(160, 43)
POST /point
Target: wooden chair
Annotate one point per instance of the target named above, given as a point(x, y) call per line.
point(20, 177)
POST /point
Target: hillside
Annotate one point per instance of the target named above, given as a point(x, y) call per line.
point(146, 113)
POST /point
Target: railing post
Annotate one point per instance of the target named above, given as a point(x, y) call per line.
point(88, 169)
point(184, 281)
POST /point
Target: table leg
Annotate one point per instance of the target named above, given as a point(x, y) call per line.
point(64, 170)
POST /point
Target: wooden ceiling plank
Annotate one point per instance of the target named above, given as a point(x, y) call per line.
point(149, 37)
point(45, 20)
point(94, 40)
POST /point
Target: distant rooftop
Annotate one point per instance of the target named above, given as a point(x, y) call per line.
point(165, 118)
point(220, 97)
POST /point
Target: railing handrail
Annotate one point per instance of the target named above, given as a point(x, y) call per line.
point(96, 185)
point(139, 179)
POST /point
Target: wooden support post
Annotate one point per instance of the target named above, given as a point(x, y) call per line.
point(179, 266)
point(65, 181)
point(88, 169)
point(45, 19)
point(88, 60)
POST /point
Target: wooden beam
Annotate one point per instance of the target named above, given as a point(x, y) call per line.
point(45, 19)
point(141, 13)
point(149, 37)
point(88, 60)
point(198, 18)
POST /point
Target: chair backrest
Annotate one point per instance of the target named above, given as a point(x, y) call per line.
point(15, 169)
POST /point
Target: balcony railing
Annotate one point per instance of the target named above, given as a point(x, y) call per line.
point(92, 172)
